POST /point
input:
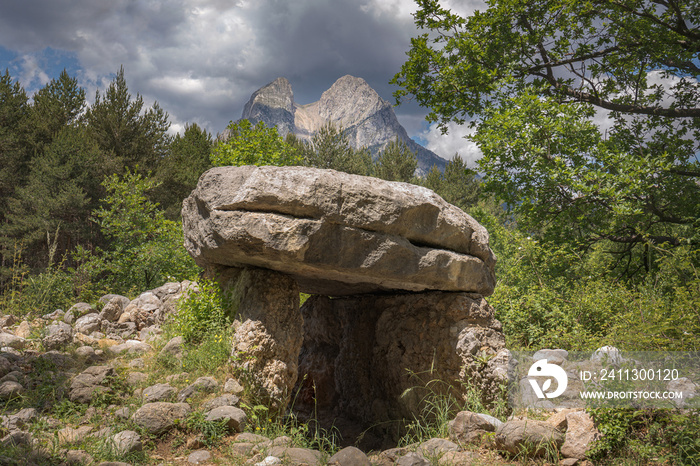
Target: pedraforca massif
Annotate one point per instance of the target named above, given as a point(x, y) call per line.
point(367, 119)
point(408, 271)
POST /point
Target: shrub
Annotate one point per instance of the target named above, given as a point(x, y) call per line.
point(202, 313)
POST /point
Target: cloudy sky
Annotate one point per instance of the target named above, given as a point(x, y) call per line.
point(202, 59)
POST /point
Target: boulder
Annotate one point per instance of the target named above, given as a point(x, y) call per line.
point(349, 456)
point(94, 379)
point(114, 307)
point(126, 442)
point(580, 434)
point(336, 233)
point(469, 427)
point(235, 417)
point(157, 418)
point(528, 437)
point(58, 334)
point(158, 392)
point(88, 323)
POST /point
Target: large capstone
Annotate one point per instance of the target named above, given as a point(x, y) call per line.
point(335, 233)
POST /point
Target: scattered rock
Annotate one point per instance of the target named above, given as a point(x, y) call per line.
point(81, 309)
point(7, 321)
point(23, 330)
point(173, 348)
point(12, 341)
point(126, 442)
point(199, 457)
point(436, 447)
point(235, 417)
point(233, 386)
point(113, 308)
point(607, 355)
point(349, 456)
point(297, 455)
point(88, 323)
point(78, 457)
point(469, 427)
point(70, 435)
point(157, 418)
point(136, 378)
point(158, 392)
point(10, 390)
point(580, 433)
point(94, 379)
point(412, 459)
point(129, 346)
point(224, 400)
point(58, 334)
point(530, 437)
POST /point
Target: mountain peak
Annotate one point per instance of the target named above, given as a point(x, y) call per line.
point(367, 119)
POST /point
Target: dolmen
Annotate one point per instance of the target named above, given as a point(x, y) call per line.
point(397, 278)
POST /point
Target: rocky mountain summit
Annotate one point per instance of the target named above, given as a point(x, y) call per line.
point(368, 120)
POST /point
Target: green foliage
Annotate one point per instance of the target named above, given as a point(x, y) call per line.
point(179, 171)
point(457, 185)
point(203, 314)
point(662, 436)
point(253, 145)
point(209, 432)
point(330, 148)
point(534, 74)
point(134, 137)
point(396, 162)
point(551, 295)
point(145, 248)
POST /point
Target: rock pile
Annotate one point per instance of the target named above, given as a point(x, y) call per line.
point(411, 270)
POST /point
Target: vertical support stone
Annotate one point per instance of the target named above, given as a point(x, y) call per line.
point(268, 335)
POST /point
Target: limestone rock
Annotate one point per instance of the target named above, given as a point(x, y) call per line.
point(235, 417)
point(157, 418)
point(9, 390)
point(11, 341)
point(174, 347)
point(268, 338)
point(336, 233)
point(224, 400)
point(349, 456)
point(88, 323)
point(126, 442)
point(468, 427)
point(113, 309)
point(580, 434)
point(92, 380)
point(81, 309)
point(58, 334)
point(530, 436)
point(158, 392)
point(367, 119)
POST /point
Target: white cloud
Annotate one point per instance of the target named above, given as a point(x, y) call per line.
point(454, 142)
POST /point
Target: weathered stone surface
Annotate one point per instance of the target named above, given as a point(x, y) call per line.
point(199, 457)
point(349, 456)
point(359, 352)
point(156, 418)
point(9, 390)
point(268, 336)
point(528, 436)
point(158, 392)
point(297, 455)
point(469, 427)
point(174, 347)
point(224, 400)
point(126, 442)
point(11, 341)
point(88, 323)
point(114, 308)
point(235, 417)
point(92, 380)
point(335, 233)
point(58, 334)
point(580, 433)
point(70, 435)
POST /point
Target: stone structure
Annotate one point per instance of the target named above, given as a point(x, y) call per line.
point(335, 233)
point(408, 271)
